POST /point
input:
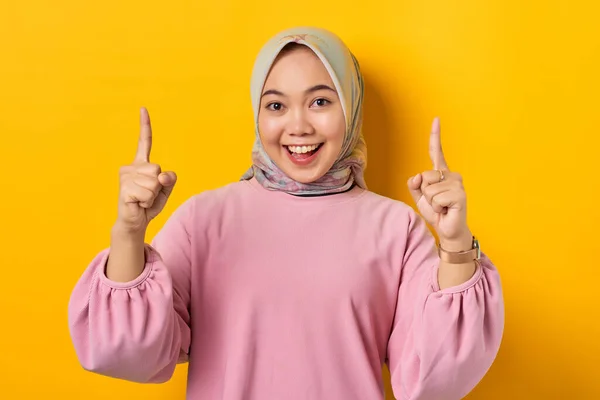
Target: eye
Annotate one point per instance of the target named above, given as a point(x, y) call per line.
point(274, 106)
point(321, 102)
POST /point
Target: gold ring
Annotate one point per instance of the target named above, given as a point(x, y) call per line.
point(442, 177)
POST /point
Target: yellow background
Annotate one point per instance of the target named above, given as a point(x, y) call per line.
point(515, 84)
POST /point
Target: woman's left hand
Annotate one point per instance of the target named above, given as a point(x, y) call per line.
point(441, 198)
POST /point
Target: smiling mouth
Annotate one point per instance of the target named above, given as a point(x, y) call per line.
point(303, 152)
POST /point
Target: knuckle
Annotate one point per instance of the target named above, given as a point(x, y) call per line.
point(154, 169)
point(146, 168)
point(125, 170)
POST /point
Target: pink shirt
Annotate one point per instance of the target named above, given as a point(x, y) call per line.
point(271, 296)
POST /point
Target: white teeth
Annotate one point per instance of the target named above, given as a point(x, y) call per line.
point(302, 149)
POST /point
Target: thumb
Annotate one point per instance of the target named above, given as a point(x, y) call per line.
point(167, 180)
point(414, 186)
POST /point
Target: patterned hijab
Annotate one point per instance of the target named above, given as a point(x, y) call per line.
point(348, 169)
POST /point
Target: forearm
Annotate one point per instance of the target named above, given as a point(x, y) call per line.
point(126, 259)
point(450, 275)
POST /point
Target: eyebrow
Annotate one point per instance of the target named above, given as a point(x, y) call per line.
point(309, 90)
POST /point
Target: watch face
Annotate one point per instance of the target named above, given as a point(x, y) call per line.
point(476, 247)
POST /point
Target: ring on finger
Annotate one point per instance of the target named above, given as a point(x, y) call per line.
point(442, 176)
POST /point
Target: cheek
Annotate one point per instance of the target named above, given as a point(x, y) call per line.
point(333, 127)
point(269, 129)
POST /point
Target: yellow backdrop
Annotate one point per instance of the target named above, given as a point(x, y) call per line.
point(515, 83)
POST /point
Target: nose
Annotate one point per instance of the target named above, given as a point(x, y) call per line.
point(299, 123)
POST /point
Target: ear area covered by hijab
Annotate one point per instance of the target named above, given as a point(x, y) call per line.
point(348, 169)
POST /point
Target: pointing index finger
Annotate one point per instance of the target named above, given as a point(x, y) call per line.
point(435, 147)
point(145, 140)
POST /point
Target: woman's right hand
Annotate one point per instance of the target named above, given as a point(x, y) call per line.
point(144, 188)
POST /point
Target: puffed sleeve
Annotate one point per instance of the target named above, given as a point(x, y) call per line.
point(138, 330)
point(443, 341)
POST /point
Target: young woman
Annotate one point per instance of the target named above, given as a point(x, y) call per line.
point(295, 282)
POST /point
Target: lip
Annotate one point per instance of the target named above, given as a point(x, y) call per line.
point(305, 161)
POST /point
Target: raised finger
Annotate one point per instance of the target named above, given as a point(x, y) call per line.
point(145, 139)
point(436, 152)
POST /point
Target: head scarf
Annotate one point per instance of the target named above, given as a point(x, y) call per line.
point(348, 169)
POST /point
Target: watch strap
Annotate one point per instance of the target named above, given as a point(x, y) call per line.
point(461, 257)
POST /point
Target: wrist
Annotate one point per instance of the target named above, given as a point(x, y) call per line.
point(123, 232)
point(462, 243)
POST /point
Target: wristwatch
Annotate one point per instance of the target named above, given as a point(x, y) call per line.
point(461, 257)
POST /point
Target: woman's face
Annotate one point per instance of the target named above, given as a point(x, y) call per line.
point(301, 122)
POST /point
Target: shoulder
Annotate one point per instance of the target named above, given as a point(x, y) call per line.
point(216, 198)
point(221, 193)
point(387, 205)
point(210, 202)
point(390, 216)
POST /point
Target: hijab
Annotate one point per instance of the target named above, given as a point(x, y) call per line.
point(348, 169)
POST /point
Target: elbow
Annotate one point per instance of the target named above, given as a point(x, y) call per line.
point(141, 356)
point(460, 377)
point(450, 377)
point(137, 371)
point(465, 369)
point(130, 363)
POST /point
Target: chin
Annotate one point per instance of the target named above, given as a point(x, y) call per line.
point(304, 176)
